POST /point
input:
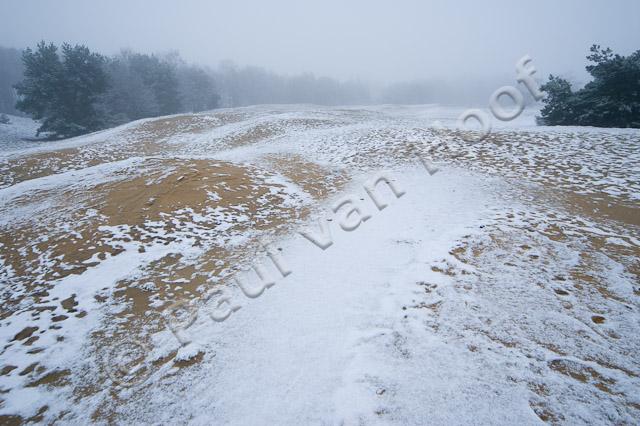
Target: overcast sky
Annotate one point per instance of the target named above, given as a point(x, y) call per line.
point(377, 41)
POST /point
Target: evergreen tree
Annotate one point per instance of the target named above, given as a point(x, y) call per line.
point(611, 99)
point(557, 109)
point(39, 89)
point(84, 81)
point(62, 93)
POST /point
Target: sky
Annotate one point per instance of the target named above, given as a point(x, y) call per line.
point(373, 40)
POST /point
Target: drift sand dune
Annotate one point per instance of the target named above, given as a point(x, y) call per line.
point(503, 287)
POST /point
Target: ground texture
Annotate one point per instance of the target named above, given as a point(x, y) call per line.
point(500, 284)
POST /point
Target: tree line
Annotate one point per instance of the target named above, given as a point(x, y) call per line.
point(72, 90)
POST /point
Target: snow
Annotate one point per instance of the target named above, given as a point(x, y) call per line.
point(331, 343)
point(458, 303)
point(12, 135)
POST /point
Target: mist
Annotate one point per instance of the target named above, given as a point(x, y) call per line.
point(467, 47)
point(375, 41)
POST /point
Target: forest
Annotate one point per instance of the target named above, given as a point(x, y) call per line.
point(74, 90)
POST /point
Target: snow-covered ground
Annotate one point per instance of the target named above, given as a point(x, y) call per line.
point(14, 135)
point(344, 338)
point(500, 288)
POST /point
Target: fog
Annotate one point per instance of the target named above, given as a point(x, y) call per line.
point(377, 42)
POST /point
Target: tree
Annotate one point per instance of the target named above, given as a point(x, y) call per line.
point(611, 99)
point(129, 97)
point(62, 93)
point(197, 89)
point(143, 86)
point(84, 81)
point(165, 86)
point(160, 77)
point(557, 109)
point(42, 81)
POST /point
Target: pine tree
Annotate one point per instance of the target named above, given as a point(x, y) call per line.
point(42, 82)
point(84, 82)
point(611, 99)
point(558, 109)
point(62, 93)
